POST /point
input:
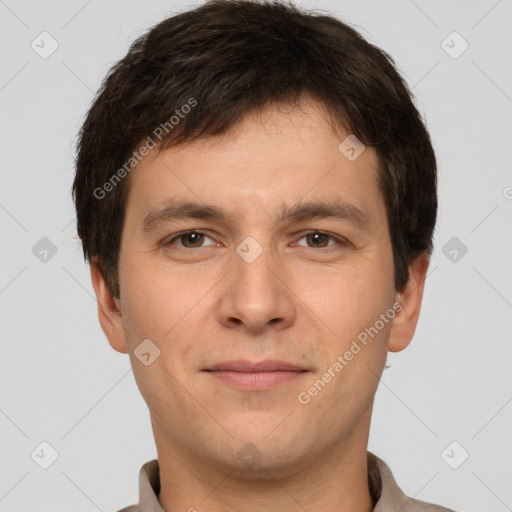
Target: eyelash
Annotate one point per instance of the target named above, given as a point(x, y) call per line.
point(338, 240)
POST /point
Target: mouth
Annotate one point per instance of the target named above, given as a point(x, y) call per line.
point(255, 376)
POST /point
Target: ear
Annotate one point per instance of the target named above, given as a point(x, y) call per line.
point(404, 323)
point(109, 313)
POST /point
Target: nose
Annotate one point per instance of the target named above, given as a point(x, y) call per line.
point(256, 295)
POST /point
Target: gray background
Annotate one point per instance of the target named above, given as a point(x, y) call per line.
point(63, 384)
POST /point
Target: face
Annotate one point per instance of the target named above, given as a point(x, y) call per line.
point(266, 245)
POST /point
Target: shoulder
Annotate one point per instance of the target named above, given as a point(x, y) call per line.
point(387, 494)
point(412, 505)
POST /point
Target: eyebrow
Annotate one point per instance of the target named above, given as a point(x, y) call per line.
point(337, 210)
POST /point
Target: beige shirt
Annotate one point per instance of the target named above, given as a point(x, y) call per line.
point(386, 494)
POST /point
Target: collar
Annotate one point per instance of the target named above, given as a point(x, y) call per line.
point(386, 494)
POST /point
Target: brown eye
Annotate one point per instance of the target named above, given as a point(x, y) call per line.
point(188, 240)
point(318, 239)
point(192, 239)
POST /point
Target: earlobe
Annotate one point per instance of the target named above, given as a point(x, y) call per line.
point(405, 321)
point(109, 314)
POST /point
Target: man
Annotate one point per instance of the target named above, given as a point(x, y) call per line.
point(256, 196)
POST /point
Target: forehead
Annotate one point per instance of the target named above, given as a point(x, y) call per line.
point(273, 157)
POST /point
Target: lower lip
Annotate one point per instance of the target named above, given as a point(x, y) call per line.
point(257, 381)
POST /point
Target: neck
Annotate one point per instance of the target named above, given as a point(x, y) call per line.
point(334, 481)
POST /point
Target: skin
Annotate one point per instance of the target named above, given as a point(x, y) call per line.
point(303, 300)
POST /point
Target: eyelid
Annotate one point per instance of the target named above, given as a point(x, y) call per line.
point(337, 238)
point(176, 236)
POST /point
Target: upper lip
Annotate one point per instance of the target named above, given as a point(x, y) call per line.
point(243, 365)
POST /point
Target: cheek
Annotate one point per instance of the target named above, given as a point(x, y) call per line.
point(350, 300)
point(170, 308)
point(353, 343)
point(144, 303)
point(156, 306)
point(155, 298)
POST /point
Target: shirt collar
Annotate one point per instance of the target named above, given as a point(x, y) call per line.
point(149, 487)
point(384, 490)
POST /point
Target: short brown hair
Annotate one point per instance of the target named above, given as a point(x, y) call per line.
point(234, 57)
